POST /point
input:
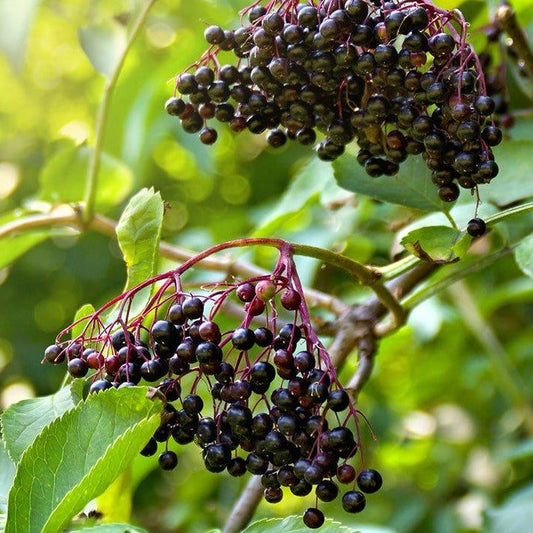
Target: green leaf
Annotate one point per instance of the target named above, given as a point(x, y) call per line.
point(411, 187)
point(23, 421)
point(7, 468)
point(116, 501)
point(13, 247)
point(433, 243)
point(514, 181)
point(63, 177)
point(84, 311)
point(138, 232)
point(77, 457)
point(314, 180)
point(15, 26)
point(293, 524)
point(514, 516)
point(523, 254)
point(112, 528)
point(104, 45)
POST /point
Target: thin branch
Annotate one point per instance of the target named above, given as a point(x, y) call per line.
point(69, 216)
point(244, 509)
point(506, 17)
point(103, 111)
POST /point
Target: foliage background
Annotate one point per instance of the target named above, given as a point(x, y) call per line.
point(450, 443)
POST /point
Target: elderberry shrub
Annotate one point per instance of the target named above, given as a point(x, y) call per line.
point(398, 78)
point(277, 409)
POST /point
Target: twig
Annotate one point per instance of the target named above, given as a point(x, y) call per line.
point(506, 17)
point(244, 509)
point(101, 117)
point(71, 216)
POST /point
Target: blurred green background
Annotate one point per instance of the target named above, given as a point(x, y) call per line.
point(450, 444)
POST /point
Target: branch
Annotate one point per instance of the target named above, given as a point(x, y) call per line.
point(101, 117)
point(244, 509)
point(506, 17)
point(71, 216)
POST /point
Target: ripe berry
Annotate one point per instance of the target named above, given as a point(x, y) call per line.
point(476, 227)
point(150, 448)
point(313, 518)
point(353, 501)
point(369, 481)
point(168, 460)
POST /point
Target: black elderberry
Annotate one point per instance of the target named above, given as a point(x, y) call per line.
point(175, 106)
point(168, 460)
point(243, 338)
point(476, 227)
point(302, 488)
point(100, 385)
point(216, 457)
point(121, 338)
point(313, 518)
point(150, 448)
point(369, 481)
point(77, 367)
point(186, 83)
point(353, 501)
point(326, 491)
point(492, 135)
point(441, 44)
point(170, 388)
point(236, 467)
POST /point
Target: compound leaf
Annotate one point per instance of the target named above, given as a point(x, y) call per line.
point(23, 421)
point(138, 232)
point(77, 456)
point(294, 524)
point(433, 243)
point(411, 187)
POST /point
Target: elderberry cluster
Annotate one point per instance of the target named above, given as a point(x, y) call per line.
point(275, 409)
point(398, 78)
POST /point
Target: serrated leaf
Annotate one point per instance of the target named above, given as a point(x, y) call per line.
point(411, 187)
point(77, 457)
point(138, 233)
point(514, 181)
point(112, 528)
point(433, 243)
point(116, 501)
point(15, 26)
point(7, 469)
point(514, 516)
point(84, 311)
point(523, 254)
point(63, 177)
point(294, 524)
point(23, 421)
point(104, 45)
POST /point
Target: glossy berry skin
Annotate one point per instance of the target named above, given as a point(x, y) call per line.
point(476, 227)
point(353, 501)
point(313, 518)
point(369, 481)
point(168, 460)
point(150, 448)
